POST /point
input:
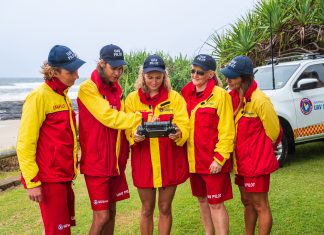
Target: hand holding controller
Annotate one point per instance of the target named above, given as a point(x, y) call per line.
point(157, 129)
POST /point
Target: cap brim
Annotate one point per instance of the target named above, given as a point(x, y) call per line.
point(147, 70)
point(200, 65)
point(74, 65)
point(229, 73)
point(116, 63)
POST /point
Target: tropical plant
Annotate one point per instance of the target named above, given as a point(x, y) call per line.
point(297, 27)
point(178, 68)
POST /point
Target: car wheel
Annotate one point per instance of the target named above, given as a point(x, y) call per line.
point(282, 150)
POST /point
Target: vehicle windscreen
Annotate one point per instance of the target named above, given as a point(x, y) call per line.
point(263, 76)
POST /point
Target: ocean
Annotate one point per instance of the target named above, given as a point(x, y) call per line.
point(13, 92)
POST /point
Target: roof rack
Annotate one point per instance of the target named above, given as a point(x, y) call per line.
point(298, 56)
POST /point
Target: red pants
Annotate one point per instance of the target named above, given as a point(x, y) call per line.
point(105, 190)
point(57, 207)
point(217, 188)
point(259, 184)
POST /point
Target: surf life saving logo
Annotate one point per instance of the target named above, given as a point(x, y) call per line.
point(306, 106)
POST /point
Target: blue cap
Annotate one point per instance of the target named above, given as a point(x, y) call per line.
point(112, 55)
point(63, 57)
point(153, 63)
point(240, 65)
point(206, 62)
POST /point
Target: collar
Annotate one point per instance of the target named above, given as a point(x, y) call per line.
point(153, 101)
point(103, 87)
point(237, 102)
point(192, 98)
point(190, 90)
point(57, 86)
point(250, 90)
point(236, 97)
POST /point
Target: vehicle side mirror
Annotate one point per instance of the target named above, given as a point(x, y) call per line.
point(306, 84)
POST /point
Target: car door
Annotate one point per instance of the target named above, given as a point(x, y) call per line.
point(309, 104)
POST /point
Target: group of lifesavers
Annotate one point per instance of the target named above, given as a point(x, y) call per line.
point(215, 132)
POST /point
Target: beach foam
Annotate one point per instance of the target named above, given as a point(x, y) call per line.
point(16, 89)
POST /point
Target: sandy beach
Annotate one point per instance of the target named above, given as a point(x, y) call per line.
point(8, 133)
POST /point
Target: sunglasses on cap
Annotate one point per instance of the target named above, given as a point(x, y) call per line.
point(198, 72)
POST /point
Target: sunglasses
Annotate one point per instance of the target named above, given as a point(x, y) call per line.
point(198, 72)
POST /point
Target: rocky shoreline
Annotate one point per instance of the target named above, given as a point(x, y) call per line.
point(11, 110)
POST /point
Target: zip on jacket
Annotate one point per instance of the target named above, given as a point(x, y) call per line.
point(211, 127)
point(159, 162)
point(46, 144)
point(258, 131)
point(101, 123)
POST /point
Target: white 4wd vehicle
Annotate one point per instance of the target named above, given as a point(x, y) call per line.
point(298, 98)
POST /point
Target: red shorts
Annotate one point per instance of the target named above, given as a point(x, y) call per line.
point(259, 184)
point(105, 190)
point(57, 207)
point(217, 188)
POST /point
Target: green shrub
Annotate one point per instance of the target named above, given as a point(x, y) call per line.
point(178, 67)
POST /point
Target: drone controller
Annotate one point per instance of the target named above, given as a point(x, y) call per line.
point(156, 129)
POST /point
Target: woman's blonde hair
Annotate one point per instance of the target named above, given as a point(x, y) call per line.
point(219, 81)
point(140, 82)
point(49, 71)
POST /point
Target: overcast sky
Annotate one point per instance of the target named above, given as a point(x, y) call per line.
point(28, 29)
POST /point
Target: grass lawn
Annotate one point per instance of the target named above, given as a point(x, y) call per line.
point(296, 197)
